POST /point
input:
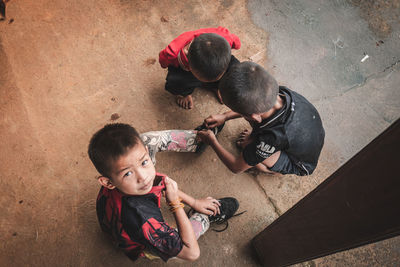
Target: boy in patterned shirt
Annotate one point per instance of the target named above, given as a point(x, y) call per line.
point(128, 204)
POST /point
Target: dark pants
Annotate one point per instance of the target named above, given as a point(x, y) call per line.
point(285, 165)
point(181, 82)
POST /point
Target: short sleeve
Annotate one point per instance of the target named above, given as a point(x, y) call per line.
point(232, 39)
point(143, 222)
point(168, 57)
point(260, 149)
point(163, 240)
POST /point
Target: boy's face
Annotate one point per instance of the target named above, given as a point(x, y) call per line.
point(133, 173)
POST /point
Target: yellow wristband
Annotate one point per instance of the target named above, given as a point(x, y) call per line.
point(176, 207)
point(174, 203)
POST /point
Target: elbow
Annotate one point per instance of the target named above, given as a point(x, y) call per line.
point(194, 255)
point(189, 253)
point(235, 171)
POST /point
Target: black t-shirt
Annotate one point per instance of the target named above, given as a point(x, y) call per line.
point(136, 222)
point(296, 129)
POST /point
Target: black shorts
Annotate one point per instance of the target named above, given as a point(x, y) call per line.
point(286, 165)
point(181, 82)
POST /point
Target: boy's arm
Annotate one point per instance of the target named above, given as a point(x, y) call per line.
point(190, 250)
point(232, 39)
point(218, 119)
point(208, 205)
point(168, 56)
point(236, 165)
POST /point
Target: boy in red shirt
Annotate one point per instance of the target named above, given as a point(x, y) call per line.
point(195, 59)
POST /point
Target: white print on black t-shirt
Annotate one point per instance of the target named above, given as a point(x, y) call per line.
point(264, 150)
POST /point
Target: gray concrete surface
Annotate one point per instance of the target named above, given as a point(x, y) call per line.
point(67, 66)
point(315, 48)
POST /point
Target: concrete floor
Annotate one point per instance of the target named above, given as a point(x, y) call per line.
point(67, 66)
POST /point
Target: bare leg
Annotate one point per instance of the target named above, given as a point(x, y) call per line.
point(268, 163)
point(262, 168)
point(185, 102)
point(271, 160)
point(244, 139)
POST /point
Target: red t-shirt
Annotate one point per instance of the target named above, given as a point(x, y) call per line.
point(136, 222)
point(169, 56)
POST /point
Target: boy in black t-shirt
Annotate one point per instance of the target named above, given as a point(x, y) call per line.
point(128, 204)
point(287, 135)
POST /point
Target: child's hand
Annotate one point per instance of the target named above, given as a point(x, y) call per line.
point(206, 136)
point(171, 190)
point(214, 120)
point(208, 205)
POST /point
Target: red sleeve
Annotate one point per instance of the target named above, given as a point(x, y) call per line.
point(164, 241)
point(232, 39)
point(169, 56)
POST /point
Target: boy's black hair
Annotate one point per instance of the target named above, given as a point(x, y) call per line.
point(109, 143)
point(248, 88)
point(209, 54)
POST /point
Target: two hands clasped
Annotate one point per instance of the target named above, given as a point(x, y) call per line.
point(208, 205)
point(207, 136)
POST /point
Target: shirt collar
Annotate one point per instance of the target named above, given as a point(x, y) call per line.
point(183, 61)
point(281, 114)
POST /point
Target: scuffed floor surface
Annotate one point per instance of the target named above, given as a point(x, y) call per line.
point(69, 67)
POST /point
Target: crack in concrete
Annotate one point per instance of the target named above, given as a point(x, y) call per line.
point(270, 200)
point(372, 76)
point(382, 116)
point(392, 66)
point(366, 79)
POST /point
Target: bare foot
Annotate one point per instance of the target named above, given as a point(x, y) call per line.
point(244, 139)
point(185, 102)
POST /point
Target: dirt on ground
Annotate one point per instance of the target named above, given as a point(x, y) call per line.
point(380, 14)
point(66, 69)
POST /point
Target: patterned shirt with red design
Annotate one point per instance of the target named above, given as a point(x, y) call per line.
point(136, 222)
point(171, 55)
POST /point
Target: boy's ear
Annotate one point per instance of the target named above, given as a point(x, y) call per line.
point(106, 182)
point(278, 98)
point(256, 117)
